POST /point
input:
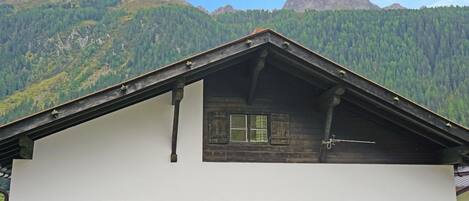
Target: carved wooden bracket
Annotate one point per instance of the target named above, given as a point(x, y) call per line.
point(326, 103)
point(178, 94)
point(26, 147)
point(256, 70)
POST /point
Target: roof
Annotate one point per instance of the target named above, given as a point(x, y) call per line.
point(194, 68)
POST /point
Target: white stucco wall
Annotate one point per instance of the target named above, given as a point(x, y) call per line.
point(124, 156)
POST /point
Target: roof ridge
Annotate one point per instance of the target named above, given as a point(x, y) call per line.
point(257, 33)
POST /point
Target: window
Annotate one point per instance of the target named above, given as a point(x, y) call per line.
point(248, 128)
point(238, 128)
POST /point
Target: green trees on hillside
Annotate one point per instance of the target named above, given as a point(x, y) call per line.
point(30, 39)
point(422, 54)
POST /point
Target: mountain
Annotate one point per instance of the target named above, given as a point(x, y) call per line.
point(442, 3)
point(302, 5)
point(394, 6)
point(145, 4)
point(55, 53)
point(128, 4)
point(29, 3)
point(223, 10)
point(201, 8)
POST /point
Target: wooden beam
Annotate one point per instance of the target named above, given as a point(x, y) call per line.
point(299, 56)
point(26, 147)
point(297, 72)
point(178, 94)
point(315, 82)
point(330, 98)
point(139, 89)
point(454, 155)
point(326, 103)
point(381, 113)
point(255, 71)
point(388, 104)
point(461, 174)
point(96, 104)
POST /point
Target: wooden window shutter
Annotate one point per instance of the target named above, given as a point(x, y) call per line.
point(280, 129)
point(218, 128)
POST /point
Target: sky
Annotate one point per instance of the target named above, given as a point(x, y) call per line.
point(277, 4)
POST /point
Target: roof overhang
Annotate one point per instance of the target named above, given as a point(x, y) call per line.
point(308, 63)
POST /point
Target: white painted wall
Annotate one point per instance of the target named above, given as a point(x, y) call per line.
point(124, 156)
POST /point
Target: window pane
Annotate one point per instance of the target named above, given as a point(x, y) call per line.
point(258, 135)
point(238, 121)
point(258, 121)
point(238, 135)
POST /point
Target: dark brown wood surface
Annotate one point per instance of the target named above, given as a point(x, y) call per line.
point(374, 100)
point(279, 92)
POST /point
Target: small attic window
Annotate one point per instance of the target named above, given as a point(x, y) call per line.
point(248, 128)
point(238, 128)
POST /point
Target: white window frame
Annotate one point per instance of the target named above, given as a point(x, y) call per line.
point(266, 129)
point(247, 129)
point(246, 132)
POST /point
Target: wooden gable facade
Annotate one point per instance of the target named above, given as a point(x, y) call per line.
point(315, 110)
point(297, 123)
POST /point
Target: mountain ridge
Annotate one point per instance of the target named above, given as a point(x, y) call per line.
point(319, 5)
point(223, 10)
point(128, 4)
point(394, 6)
point(60, 53)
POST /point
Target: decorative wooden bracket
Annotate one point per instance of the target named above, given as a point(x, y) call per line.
point(454, 155)
point(26, 147)
point(326, 103)
point(178, 93)
point(256, 70)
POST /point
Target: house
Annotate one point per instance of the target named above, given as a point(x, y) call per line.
point(259, 118)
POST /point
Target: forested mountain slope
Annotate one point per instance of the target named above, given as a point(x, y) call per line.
point(53, 53)
point(302, 5)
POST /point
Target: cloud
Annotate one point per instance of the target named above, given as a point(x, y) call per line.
point(450, 3)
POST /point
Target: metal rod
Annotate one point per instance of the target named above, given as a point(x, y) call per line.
point(331, 142)
point(355, 141)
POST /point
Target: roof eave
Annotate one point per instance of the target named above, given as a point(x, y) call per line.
point(138, 89)
point(158, 81)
